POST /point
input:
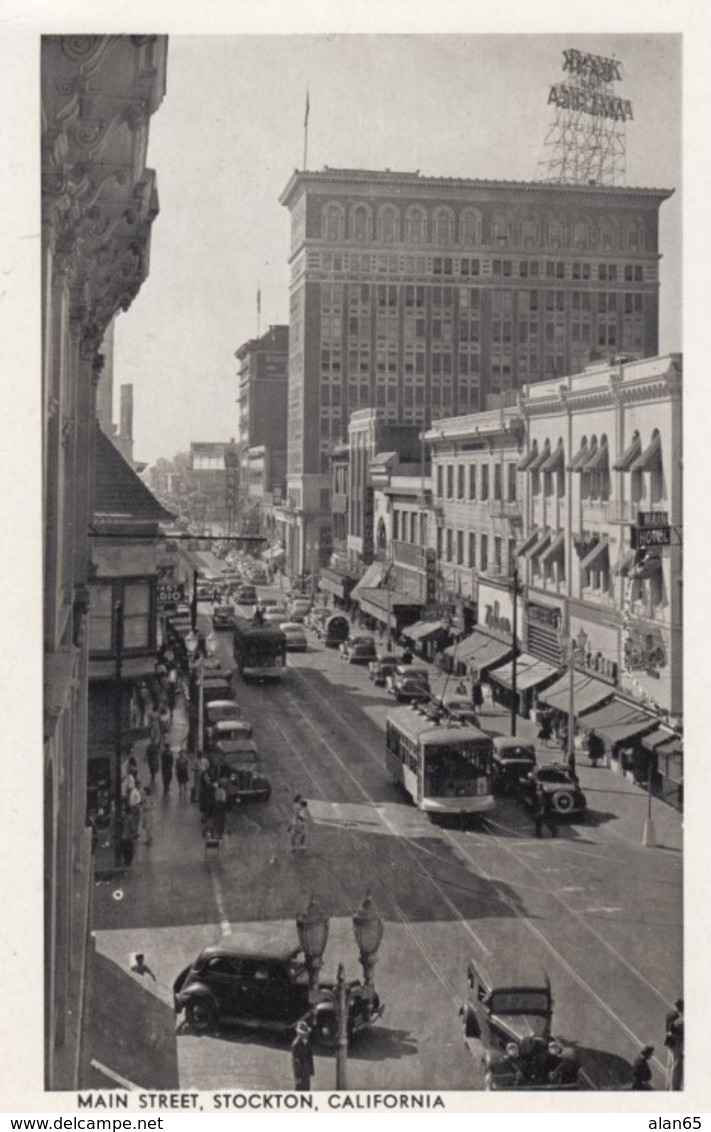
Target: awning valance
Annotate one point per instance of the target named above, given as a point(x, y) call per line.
point(580, 458)
point(424, 630)
point(528, 542)
point(555, 547)
point(530, 673)
point(631, 453)
point(537, 464)
point(556, 460)
point(588, 693)
point(675, 748)
point(599, 460)
point(539, 545)
point(530, 456)
point(617, 722)
point(659, 738)
point(479, 652)
point(600, 548)
point(651, 458)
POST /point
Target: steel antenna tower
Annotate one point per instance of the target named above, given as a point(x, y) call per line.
point(586, 143)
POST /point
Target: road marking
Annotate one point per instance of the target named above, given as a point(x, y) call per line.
point(122, 1081)
point(225, 926)
point(524, 919)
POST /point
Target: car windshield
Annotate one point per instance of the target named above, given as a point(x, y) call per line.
point(239, 758)
point(519, 1002)
point(517, 753)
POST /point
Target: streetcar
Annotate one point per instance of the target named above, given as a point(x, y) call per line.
point(259, 649)
point(444, 765)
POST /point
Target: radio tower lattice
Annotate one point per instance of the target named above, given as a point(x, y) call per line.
point(586, 143)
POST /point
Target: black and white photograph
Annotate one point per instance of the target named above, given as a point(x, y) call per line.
point(358, 402)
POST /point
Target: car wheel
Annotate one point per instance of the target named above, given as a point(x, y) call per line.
point(326, 1031)
point(201, 1014)
point(562, 801)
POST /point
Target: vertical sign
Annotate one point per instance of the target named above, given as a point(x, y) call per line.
point(430, 577)
point(368, 509)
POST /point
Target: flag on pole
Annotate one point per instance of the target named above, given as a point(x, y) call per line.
point(306, 115)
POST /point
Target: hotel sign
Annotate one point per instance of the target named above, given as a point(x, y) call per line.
point(652, 530)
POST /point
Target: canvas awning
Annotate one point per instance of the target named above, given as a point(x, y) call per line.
point(383, 604)
point(556, 460)
point(372, 578)
point(651, 458)
point(530, 456)
point(334, 582)
point(618, 721)
point(599, 460)
point(528, 542)
point(555, 547)
point(580, 458)
point(631, 453)
point(424, 630)
point(539, 545)
point(588, 693)
point(479, 651)
point(600, 548)
point(659, 738)
point(530, 673)
point(537, 464)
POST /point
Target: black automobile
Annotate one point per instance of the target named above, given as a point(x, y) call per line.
point(513, 760)
point(257, 979)
point(237, 763)
point(562, 794)
point(379, 670)
point(512, 1020)
point(223, 617)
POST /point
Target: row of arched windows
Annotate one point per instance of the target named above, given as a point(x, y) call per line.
point(388, 224)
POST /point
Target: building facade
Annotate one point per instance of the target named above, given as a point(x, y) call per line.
point(262, 400)
point(422, 297)
point(98, 204)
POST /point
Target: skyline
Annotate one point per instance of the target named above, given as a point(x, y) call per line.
point(221, 234)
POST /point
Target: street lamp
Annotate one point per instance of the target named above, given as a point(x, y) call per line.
point(368, 929)
point(118, 734)
point(568, 651)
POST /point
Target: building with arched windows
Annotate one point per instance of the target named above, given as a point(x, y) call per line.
point(424, 297)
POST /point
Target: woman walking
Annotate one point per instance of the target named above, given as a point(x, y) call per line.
point(166, 768)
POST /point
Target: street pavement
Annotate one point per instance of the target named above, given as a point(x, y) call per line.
point(595, 908)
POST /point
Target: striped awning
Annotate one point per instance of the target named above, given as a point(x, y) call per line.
point(541, 544)
point(631, 453)
point(556, 460)
point(600, 459)
point(651, 458)
point(588, 693)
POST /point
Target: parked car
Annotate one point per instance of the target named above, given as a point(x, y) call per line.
point(380, 669)
point(223, 617)
point(225, 730)
point(238, 762)
point(335, 630)
point(513, 1020)
point(359, 650)
point(295, 636)
point(408, 683)
point(257, 979)
point(513, 760)
point(459, 708)
point(298, 608)
point(563, 795)
point(246, 595)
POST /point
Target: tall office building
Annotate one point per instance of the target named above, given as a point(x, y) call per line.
point(421, 297)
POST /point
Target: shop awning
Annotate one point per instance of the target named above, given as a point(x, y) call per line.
point(372, 577)
point(555, 547)
point(600, 548)
point(528, 542)
point(379, 603)
point(623, 564)
point(479, 651)
point(650, 459)
point(580, 458)
point(424, 630)
point(675, 749)
point(659, 738)
point(530, 673)
point(617, 722)
point(334, 582)
point(556, 460)
point(631, 453)
point(600, 459)
point(530, 456)
point(539, 545)
point(588, 693)
point(537, 464)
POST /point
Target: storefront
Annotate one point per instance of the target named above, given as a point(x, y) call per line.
point(588, 694)
point(620, 726)
point(532, 676)
point(391, 608)
point(665, 753)
point(476, 654)
point(427, 637)
point(337, 584)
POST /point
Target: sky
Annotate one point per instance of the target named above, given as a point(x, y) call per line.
point(230, 132)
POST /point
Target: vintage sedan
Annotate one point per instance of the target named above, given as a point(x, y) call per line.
point(562, 794)
point(223, 617)
point(258, 979)
point(510, 1020)
point(295, 636)
point(380, 669)
point(513, 760)
point(359, 650)
point(237, 762)
point(409, 683)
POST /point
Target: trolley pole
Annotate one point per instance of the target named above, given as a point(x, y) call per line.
point(118, 733)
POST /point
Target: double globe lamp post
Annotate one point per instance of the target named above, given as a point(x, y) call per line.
point(368, 929)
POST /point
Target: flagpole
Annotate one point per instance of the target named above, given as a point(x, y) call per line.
point(259, 308)
point(306, 127)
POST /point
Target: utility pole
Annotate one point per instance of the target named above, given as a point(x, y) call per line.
point(118, 733)
point(514, 633)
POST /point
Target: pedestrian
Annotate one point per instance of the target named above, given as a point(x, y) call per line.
point(219, 807)
point(154, 726)
point(461, 688)
point(596, 749)
point(542, 814)
point(147, 808)
point(132, 766)
point(477, 695)
point(140, 967)
point(545, 731)
point(298, 824)
point(674, 1041)
point(129, 833)
point(144, 700)
point(641, 1071)
point(182, 773)
point(153, 760)
point(171, 689)
point(164, 718)
point(302, 1061)
point(166, 768)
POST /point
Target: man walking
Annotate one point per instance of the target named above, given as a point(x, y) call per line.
point(542, 814)
point(674, 1041)
point(302, 1061)
point(641, 1072)
point(297, 825)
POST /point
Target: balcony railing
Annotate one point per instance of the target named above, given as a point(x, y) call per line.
point(621, 511)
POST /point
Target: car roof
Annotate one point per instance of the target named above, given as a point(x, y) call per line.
point(292, 625)
point(517, 976)
point(259, 941)
point(231, 746)
point(221, 704)
point(508, 742)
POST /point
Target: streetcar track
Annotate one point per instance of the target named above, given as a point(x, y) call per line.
point(605, 1007)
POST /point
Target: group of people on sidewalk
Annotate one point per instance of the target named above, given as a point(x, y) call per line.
point(674, 1042)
